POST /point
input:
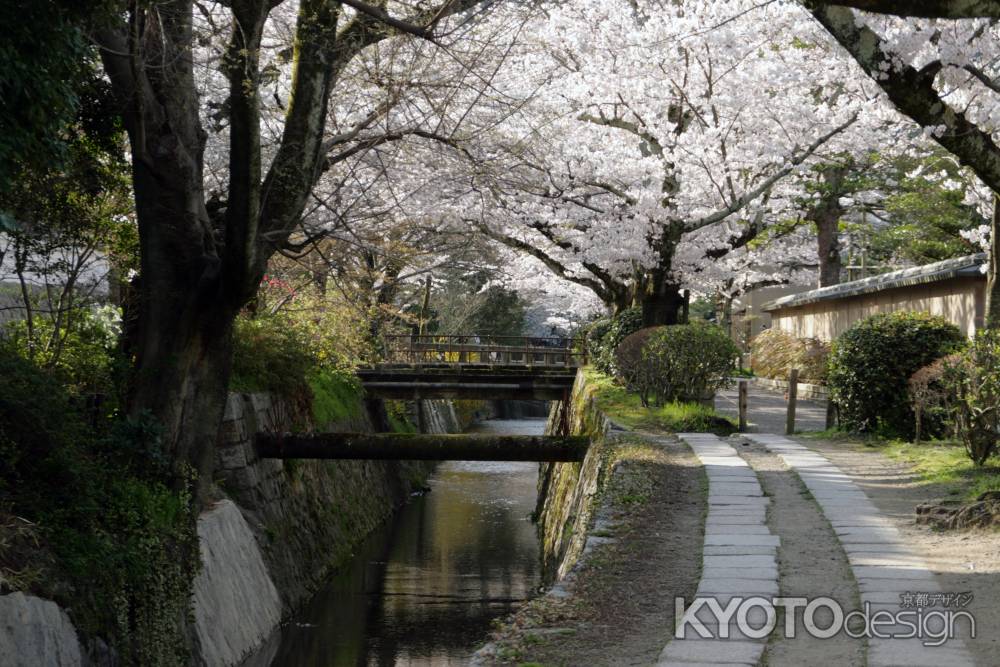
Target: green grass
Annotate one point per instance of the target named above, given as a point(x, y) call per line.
point(335, 397)
point(946, 463)
point(625, 408)
point(938, 462)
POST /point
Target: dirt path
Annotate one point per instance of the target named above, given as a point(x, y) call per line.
point(622, 607)
point(961, 560)
point(810, 564)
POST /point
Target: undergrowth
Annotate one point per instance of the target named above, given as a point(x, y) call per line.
point(626, 408)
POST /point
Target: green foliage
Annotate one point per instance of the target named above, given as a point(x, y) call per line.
point(334, 396)
point(602, 348)
point(270, 353)
point(774, 353)
point(499, 312)
point(679, 362)
point(626, 408)
point(83, 353)
point(120, 543)
point(975, 382)
point(45, 52)
point(871, 362)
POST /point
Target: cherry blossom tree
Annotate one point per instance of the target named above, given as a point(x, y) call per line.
point(646, 125)
point(242, 116)
point(936, 63)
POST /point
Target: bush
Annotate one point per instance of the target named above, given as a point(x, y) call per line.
point(975, 381)
point(83, 355)
point(632, 365)
point(116, 542)
point(620, 326)
point(932, 397)
point(679, 362)
point(871, 362)
point(774, 353)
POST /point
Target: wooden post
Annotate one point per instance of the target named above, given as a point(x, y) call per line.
point(685, 306)
point(743, 405)
point(831, 414)
point(793, 392)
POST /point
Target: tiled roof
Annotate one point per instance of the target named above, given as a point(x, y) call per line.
point(918, 275)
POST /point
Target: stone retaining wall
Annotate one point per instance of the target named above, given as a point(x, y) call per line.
point(567, 492)
point(305, 518)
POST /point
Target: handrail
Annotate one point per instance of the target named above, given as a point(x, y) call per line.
point(559, 351)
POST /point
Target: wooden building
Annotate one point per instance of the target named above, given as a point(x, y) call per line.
point(954, 289)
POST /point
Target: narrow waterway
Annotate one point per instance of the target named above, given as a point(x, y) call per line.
point(424, 589)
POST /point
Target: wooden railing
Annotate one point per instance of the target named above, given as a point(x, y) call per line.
point(493, 350)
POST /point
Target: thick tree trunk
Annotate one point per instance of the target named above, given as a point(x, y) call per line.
point(182, 343)
point(661, 298)
point(663, 305)
point(993, 273)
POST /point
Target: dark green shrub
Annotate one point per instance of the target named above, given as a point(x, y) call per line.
point(679, 362)
point(594, 334)
point(115, 540)
point(621, 325)
point(871, 362)
point(774, 353)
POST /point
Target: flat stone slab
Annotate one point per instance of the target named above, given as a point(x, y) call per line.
point(912, 653)
point(737, 539)
point(727, 529)
point(767, 573)
point(883, 572)
point(713, 550)
point(739, 561)
point(700, 651)
point(861, 535)
point(747, 587)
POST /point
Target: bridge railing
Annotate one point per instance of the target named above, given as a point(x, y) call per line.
point(496, 350)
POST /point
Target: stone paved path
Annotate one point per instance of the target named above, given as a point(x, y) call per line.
point(739, 555)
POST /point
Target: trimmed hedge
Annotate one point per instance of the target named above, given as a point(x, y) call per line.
point(871, 363)
point(679, 362)
point(774, 353)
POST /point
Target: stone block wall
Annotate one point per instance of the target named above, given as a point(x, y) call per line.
point(305, 518)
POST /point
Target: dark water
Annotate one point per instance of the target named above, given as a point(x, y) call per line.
point(425, 588)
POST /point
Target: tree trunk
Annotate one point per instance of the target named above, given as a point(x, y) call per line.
point(662, 304)
point(826, 215)
point(828, 247)
point(992, 319)
point(661, 297)
point(182, 341)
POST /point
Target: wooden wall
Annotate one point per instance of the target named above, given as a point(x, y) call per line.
point(960, 300)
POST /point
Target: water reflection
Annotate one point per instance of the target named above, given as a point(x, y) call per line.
point(425, 588)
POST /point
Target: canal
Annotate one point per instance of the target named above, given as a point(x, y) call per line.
point(424, 589)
